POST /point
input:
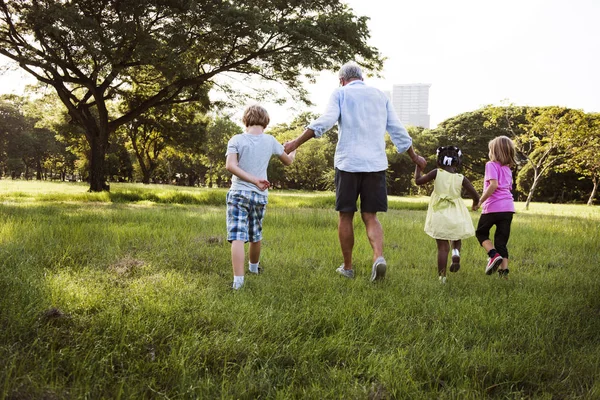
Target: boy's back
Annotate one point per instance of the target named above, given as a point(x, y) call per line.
point(254, 153)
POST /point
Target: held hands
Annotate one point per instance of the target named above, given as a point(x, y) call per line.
point(290, 146)
point(420, 162)
point(475, 206)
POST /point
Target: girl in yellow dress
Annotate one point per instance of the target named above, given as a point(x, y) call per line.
point(448, 219)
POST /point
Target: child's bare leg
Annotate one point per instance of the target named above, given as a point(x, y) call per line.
point(254, 257)
point(504, 264)
point(456, 246)
point(487, 245)
point(442, 259)
point(237, 262)
point(254, 252)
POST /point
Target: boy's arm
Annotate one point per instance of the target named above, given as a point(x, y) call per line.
point(472, 192)
point(287, 159)
point(232, 166)
point(423, 179)
point(489, 191)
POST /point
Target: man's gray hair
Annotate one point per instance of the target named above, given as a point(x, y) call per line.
point(350, 70)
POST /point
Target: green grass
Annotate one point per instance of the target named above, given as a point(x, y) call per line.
point(126, 295)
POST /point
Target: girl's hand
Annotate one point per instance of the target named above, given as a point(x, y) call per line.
point(475, 206)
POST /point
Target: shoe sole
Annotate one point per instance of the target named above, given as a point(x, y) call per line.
point(378, 273)
point(455, 264)
point(494, 266)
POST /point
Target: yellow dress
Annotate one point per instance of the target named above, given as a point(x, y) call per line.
point(447, 215)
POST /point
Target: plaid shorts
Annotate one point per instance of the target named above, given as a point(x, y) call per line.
point(245, 213)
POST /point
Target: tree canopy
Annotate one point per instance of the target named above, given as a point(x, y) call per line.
point(162, 52)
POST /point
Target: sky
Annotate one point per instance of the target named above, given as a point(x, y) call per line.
point(473, 53)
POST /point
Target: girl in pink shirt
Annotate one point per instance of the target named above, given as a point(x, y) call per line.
point(497, 204)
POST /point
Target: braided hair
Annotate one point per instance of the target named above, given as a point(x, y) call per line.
point(449, 156)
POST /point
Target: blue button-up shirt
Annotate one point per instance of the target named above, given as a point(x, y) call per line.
point(363, 114)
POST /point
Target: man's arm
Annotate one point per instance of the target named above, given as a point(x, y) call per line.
point(292, 145)
point(318, 127)
point(417, 159)
point(231, 163)
point(401, 138)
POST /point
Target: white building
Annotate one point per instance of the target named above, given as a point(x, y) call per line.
point(411, 103)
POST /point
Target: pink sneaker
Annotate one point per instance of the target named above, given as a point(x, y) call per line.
point(493, 264)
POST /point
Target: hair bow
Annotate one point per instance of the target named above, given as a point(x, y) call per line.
point(447, 160)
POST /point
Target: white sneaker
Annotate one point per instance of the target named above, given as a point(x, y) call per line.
point(348, 273)
point(378, 270)
point(443, 280)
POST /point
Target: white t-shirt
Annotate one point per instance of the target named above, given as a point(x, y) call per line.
point(254, 153)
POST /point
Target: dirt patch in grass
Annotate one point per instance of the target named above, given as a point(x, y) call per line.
point(126, 266)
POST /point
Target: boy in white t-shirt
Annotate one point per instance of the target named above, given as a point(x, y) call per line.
point(248, 156)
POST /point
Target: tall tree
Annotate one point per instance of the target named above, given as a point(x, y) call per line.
point(212, 150)
point(13, 125)
point(150, 133)
point(543, 143)
point(93, 51)
point(71, 147)
point(584, 159)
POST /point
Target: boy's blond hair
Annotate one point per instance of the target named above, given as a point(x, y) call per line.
point(502, 150)
point(256, 115)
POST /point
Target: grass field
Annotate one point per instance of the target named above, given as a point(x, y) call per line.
point(125, 295)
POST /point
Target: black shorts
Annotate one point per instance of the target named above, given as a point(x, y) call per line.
point(371, 186)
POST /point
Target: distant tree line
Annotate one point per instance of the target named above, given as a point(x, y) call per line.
point(557, 148)
point(130, 97)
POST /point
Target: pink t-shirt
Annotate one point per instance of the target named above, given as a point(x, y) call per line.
point(502, 199)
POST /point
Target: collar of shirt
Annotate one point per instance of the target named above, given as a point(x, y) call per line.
point(355, 82)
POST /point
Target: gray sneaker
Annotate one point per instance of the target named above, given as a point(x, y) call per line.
point(348, 273)
point(379, 268)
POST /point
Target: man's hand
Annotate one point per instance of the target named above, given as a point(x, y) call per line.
point(290, 146)
point(420, 162)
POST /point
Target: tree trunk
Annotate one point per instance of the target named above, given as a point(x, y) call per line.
point(531, 190)
point(591, 199)
point(97, 164)
point(38, 170)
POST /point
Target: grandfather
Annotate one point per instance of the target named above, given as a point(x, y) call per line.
point(363, 114)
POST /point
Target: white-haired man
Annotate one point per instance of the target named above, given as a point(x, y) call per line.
point(363, 115)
